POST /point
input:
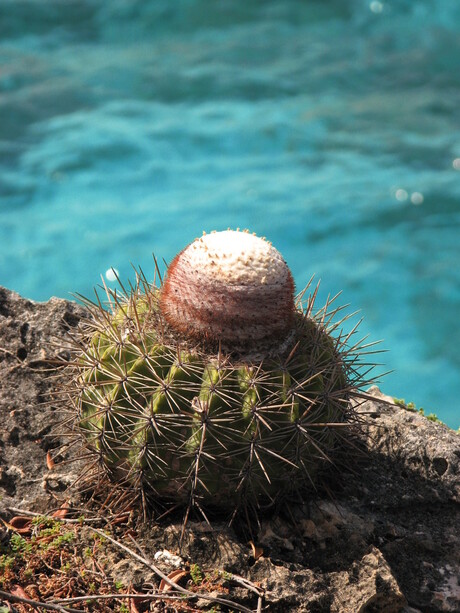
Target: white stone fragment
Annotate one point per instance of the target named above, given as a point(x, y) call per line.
point(168, 558)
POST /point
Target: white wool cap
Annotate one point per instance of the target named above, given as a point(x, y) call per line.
point(236, 258)
point(230, 287)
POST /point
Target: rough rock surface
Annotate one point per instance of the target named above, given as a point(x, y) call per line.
point(388, 540)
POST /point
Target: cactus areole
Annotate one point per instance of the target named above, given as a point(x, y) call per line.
point(217, 388)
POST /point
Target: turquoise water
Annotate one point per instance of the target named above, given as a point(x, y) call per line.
point(331, 127)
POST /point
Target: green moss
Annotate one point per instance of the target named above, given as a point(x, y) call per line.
point(410, 406)
point(42, 522)
point(6, 563)
point(59, 541)
point(196, 574)
point(19, 545)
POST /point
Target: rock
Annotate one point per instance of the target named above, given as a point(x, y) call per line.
point(409, 486)
point(31, 334)
point(368, 585)
point(388, 540)
point(413, 446)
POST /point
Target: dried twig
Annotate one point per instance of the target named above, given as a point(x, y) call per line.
point(96, 597)
point(85, 521)
point(36, 604)
point(249, 586)
point(174, 585)
point(237, 579)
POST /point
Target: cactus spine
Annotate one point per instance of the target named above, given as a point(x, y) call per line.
point(216, 388)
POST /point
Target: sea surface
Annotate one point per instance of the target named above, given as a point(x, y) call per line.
point(332, 127)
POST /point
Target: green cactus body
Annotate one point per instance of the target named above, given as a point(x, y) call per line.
point(187, 424)
point(216, 388)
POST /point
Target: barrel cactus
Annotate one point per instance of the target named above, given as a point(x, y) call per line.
point(215, 387)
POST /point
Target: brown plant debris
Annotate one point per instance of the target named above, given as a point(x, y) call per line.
point(48, 563)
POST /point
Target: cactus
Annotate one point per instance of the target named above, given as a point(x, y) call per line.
point(217, 388)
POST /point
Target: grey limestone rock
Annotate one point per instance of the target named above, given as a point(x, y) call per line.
point(31, 337)
point(387, 540)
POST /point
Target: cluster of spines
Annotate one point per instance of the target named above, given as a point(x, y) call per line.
point(178, 443)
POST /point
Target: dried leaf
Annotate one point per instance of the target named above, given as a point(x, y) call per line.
point(175, 575)
point(18, 591)
point(132, 601)
point(132, 606)
point(60, 513)
point(43, 540)
point(20, 524)
point(131, 532)
point(121, 519)
point(49, 461)
point(257, 552)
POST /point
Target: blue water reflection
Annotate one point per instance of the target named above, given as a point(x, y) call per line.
point(331, 127)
